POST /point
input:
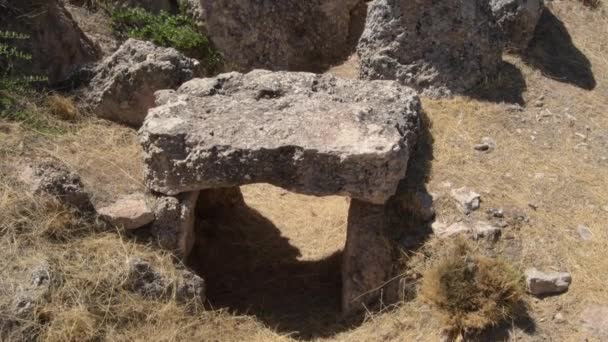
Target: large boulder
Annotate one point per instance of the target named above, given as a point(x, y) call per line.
point(312, 134)
point(291, 35)
point(57, 45)
point(124, 85)
point(517, 20)
point(437, 47)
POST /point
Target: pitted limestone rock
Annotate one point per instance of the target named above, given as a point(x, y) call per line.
point(290, 35)
point(437, 47)
point(124, 85)
point(312, 134)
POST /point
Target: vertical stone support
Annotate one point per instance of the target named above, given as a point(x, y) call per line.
point(367, 262)
point(174, 222)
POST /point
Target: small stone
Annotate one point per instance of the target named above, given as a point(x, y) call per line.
point(467, 199)
point(496, 212)
point(55, 179)
point(130, 212)
point(547, 283)
point(482, 147)
point(594, 319)
point(584, 233)
point(486, 230)
point(455, 229)
point(559, 318)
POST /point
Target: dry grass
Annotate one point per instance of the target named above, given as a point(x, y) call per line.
point(472, 292)
point(62, 107)
point(550, 156)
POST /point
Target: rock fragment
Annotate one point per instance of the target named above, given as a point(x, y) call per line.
point(130, 212)
point(584, 233)
point(124, 83)
point(54, 178)
point(467, 199)
point(547, 283)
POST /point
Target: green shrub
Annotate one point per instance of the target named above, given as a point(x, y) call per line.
point(15, 87)
point(168, 30)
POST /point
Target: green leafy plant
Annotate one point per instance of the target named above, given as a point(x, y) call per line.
point(14, 87)
point(168, 30)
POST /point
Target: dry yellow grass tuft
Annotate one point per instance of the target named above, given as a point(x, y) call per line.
point(62, 107)
point(471, 292)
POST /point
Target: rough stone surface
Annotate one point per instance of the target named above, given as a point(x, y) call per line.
point(154, 6)
point(124, 85)
point(476, 231)
point(53, 178)
point(144, 279)
point(173, 226)
point(189, 288)
point(467, 199)
point(367, 257)
point(58, 47)
point(312, 134)
point(517, 19)
point(290, 35)
point(130, 212)
point(584, 233)
point(594, 319)
point(547, 283)
point(437, 47)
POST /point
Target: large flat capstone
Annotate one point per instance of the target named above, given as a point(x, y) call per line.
point(308, 133)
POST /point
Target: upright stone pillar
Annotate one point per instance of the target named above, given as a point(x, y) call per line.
point(367, 260)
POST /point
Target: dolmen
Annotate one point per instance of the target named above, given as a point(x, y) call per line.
point(307, 133)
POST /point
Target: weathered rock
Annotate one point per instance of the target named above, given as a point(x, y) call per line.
point(144, 279)
point(584, 233)
point(367, 260)
point(467, 199)
point(476, 231)
point(53, 178)
point(289, 35)
point(58, 47)
point(130, 212)
point(517, 19)
point(437, 47)
point(173, 226)
point(312, 134)
point(594, 319)
point(190, 288)
point(547, 283)
point(124, 85)
point(487, 145)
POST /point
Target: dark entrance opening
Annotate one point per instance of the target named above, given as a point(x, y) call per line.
point(278, 258)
